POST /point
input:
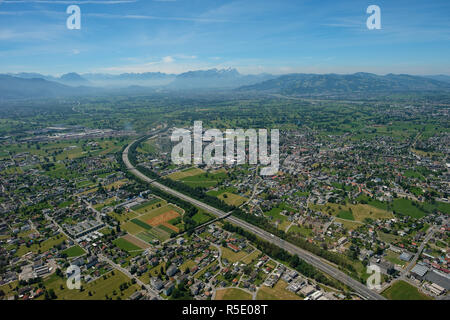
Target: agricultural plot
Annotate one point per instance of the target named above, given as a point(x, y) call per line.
point(135, 241)
point(232, 256)
point(358, 211)
point(185, 173)
point(74, 251)
point(402, 290)
point(141, 224)
point(306, 232)
point(126, 245)
point(216, 193)
point(278, 292)
point(118, 184)
point(157, 224)
point(41, 247)
point(232, 294)
point(204, 180)
point(345, 215)
point(146, 236)
point(149, 205)
point(350, 225)
point(163, 218)
point(202, 217)
point(160, 234)
point(158, 211)
point(232, 199)
point(408, 208)
point(132, 228)
point(99, 289)
point(251, 257)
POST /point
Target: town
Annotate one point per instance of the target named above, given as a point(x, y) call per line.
point(74, 203)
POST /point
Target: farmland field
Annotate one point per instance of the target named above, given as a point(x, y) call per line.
point(125, 245)
point(232, 199)
point(159, 211)
point(149, 206)
point(100, 289)
point(42, 247)
point(406, 207)
point(346, 215)
point(185, 173)
point(402, 290)
point(141, 224)
point(232, 294)
point(358, 211)
point(146, 236)
point(74, 251)
point(232, 256)
point(135, 241)
point(132, 228)
point(162, 218)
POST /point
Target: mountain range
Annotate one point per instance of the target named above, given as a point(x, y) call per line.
point(337, 84)
point(35, 85)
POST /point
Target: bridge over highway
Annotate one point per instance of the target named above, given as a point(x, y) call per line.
point(307, 256)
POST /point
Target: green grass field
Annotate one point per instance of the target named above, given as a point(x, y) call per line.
point(202, 217)
point(158, 211)
point(146, 236)
point(74, 251)
point(402, 290)
point(345, 215)
point(185, 173)
point(99, 288)
point(232, 199)
point(42, 247)
point(141, 224)
point(148, 205)
point(232, 256)
point(406, 207)
point(125, 245)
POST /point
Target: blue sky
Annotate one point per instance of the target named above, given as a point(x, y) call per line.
point(254, 36)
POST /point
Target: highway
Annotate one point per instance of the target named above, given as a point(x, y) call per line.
point(307, 256)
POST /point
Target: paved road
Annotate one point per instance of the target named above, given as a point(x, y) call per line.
point(127, 273)
point(312, 259)
point(419, 251)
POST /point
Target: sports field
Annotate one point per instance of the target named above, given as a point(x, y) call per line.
point(402, 290)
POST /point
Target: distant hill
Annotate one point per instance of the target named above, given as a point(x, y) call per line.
point(73, 79)
point(215, 78)
point(22, 88)
point(336, 84)
point(439, 77)
point(148, 79)
point(208, 79)
point(35, 85)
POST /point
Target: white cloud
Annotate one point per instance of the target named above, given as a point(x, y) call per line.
point(168, 59)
